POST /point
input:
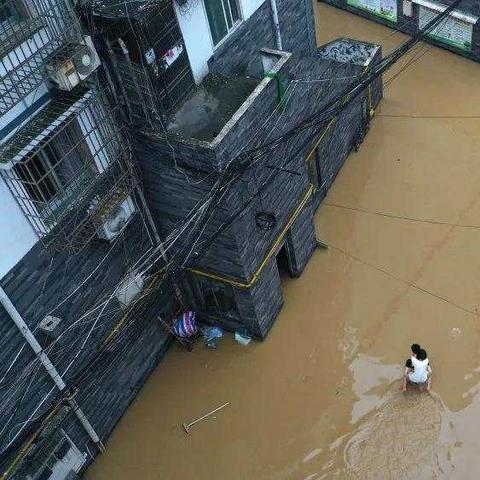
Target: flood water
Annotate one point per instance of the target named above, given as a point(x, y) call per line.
point(321, 397)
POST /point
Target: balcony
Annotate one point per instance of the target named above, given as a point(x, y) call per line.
point(30, 33)
point(225, 115)
point(222, 114)
point(67, 165)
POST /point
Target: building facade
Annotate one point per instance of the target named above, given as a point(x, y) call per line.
point(117, 121)
point(460, 33)
point(74, 229)
point(236, 95)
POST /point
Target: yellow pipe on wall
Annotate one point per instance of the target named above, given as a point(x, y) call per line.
point(322, 136)
point(278, 241)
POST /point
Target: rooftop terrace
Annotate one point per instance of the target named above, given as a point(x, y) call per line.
point(210, 106)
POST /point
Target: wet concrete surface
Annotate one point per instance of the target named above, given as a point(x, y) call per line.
point(210, 106)
point(321, 397)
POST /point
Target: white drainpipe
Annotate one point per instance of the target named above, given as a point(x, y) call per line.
point(276, 24)
point(49, 367)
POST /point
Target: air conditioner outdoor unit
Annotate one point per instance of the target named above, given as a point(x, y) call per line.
point(68, 71)
point(112, 224)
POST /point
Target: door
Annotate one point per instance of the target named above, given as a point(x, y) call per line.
point(285, 259)
point(315, 175)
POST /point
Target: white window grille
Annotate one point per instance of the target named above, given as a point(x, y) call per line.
point(65, 459)
point(12, 14)
point(30, 32)
point(71, 153)
point(58, 172)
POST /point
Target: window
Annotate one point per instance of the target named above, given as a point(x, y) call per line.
point(17, 24)
point(62, 449)
point(12, 12)
point(223, 16)
point(57, 172)
point(45, 474)
point(59, 464)
point(41, 185)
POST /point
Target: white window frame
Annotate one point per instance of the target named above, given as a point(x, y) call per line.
point(229, 32)
point(459, 15)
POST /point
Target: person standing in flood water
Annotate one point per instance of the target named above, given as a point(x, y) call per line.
point(418, 370)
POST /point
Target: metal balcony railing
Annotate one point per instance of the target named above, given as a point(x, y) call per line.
point(102, 196)
point(67, 165)
point(31, 31)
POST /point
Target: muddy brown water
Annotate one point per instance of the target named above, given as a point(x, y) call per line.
point(320, 398)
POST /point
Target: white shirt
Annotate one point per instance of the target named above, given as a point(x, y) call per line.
point(420, 372)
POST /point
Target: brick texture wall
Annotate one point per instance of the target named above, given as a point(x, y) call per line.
point(238, 55)
point(42, 283)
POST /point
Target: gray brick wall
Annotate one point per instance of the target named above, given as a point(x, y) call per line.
point(109, 392)
point(172, 192)
point(42, 280)
point(238, 55)
point(267, 299)
point(112, 389)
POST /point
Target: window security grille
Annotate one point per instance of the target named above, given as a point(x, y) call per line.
point(148, 60)
point(30, 33)
point(67, 165)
